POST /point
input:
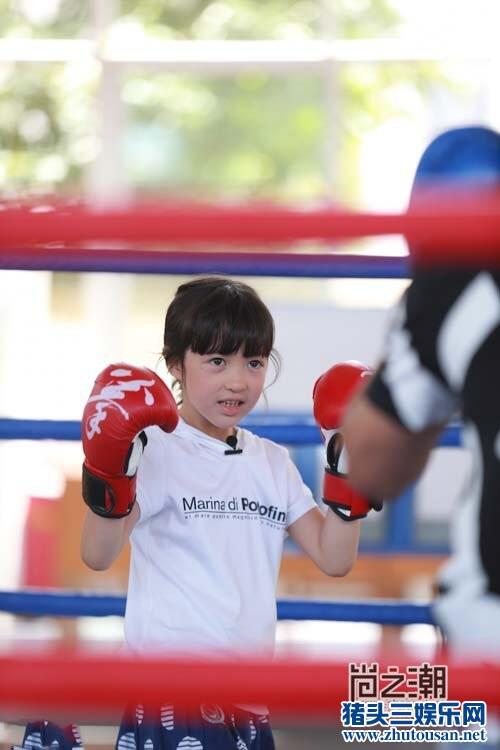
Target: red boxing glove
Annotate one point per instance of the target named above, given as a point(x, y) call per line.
point(331, 394)
point(124, 400)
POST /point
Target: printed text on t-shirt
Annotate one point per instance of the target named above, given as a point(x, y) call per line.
point(233, 506)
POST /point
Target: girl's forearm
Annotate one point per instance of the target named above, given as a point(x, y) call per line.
point(102, 540)
point(338, 544)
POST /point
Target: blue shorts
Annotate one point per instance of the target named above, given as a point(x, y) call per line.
point(205, 727)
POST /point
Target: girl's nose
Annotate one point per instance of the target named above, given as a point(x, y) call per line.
point(236, 380)
point(235, 386)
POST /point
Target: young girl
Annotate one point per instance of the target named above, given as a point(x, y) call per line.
point(214, 504)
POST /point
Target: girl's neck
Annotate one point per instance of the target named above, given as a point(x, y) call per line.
point(203, 425)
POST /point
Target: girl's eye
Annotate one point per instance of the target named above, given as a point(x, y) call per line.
point(256, 364)
point(217, 361)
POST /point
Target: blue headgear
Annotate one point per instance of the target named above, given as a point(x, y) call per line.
point(461, 157)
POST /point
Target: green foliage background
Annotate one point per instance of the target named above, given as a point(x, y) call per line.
point(251, 135)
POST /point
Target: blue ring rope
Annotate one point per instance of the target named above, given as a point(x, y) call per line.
point(301, 265)
point(288, 430)
point(56, 604)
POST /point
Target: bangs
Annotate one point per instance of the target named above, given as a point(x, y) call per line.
point(217, 315)
point(223, 324)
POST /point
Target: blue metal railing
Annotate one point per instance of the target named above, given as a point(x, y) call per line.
point(300, 433)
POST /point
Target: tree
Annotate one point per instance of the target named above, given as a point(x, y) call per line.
point(247, 135)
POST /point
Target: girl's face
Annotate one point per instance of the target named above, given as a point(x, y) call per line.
point(218, 390)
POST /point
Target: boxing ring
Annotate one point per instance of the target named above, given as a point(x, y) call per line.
point(58, 238)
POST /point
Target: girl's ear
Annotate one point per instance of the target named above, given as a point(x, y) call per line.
point(175, 369)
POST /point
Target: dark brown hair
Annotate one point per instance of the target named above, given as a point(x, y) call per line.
point(219, 315)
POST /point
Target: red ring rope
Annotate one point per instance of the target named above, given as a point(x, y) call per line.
point(458, 228)
point(103, 684)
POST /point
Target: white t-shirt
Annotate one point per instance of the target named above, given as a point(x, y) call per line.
point(207, 548)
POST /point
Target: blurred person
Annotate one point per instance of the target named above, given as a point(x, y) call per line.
point(206, 504)
point(442, 357)
point(42, 734)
